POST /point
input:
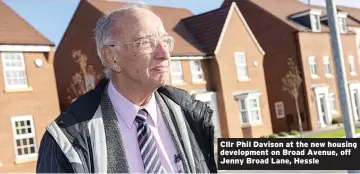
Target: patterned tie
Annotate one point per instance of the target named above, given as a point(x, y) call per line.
point(147, 145)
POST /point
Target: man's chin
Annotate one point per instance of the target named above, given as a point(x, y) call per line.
point(161, 82)
point(158, 83)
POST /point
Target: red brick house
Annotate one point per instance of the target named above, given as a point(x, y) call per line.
point(353, 14)
point(28, 94)
point(300, 31)
point(216, 59)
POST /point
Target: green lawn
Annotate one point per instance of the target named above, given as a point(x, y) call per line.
point(332, 134)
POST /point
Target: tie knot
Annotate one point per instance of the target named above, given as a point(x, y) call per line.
point(141, 116)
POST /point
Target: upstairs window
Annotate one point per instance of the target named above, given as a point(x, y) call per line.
point(196, 71)
point(241, 66)
point(342, 24)
point(313, 69)
point(327, 67)
point(14, 70)
point(315, 22)
point(352, 65)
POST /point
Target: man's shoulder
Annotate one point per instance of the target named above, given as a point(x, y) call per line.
point(87, 104)
point(178, 95)
point(181, 97)
point(82, 109)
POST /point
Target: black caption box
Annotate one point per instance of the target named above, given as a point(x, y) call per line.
point(288, 154)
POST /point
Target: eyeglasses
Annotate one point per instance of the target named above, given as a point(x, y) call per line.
point(149, 44)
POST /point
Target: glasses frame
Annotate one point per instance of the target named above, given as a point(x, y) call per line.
point(139, 41)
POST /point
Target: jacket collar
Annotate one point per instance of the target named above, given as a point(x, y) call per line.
point(83, 109)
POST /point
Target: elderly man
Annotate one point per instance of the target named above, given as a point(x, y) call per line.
point(132, 121)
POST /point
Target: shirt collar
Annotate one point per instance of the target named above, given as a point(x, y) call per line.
point(127, 111)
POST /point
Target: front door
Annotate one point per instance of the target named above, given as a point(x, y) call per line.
point(322, 108)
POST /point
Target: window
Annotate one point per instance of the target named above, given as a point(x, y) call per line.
point(315, 22)
point(280, 110)
point(241, 67)
point(313, 69)
point(176, 72)
point(24, 137)
point(327, 67)
point(332, 102)
point(249, 110)
point(196, 71)
point(342, 25)
point(352, 65)
point(14, 70)
point(90, 82)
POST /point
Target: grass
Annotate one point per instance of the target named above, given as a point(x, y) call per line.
point(332, 134)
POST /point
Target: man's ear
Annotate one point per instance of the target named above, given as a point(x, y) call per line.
point(106, 55)
point(110, 59)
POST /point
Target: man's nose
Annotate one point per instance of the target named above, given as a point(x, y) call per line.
point(162, 51)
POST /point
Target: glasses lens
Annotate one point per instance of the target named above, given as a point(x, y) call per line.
point(147, 45)
point(168, 42)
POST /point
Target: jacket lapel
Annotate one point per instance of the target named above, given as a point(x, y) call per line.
point(116, 154)
point(167, 115)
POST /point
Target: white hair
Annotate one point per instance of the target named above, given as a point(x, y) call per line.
point(104, 30)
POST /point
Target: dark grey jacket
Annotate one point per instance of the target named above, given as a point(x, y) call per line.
point(86, 138)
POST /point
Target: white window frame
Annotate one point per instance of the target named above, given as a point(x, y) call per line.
point(196, 73)
point(332, 102)
point(315, 21)
point(22, 68)
point(29, 135)
point(179, 74)
point(247, 98)
point(342, 25)
point(312, 63)
point(241, 65)
point(352, 67)
point(326, 61)
point(279, 106)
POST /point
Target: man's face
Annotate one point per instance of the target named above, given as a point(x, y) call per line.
point(137, 61)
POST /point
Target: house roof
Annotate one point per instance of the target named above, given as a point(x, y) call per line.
point(185, 43)
point(207, 27)
point(15, 30)
point(353, 13)
point(349, 21)
point(288, 8)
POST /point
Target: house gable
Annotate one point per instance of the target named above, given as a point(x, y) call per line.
point(234, 10)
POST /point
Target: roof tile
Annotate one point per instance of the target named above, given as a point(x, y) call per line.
point(207, 27)
point(15, 30)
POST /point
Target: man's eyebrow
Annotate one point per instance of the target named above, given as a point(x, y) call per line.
point(138, 37)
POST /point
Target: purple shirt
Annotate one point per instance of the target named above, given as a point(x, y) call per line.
point(126, 113)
